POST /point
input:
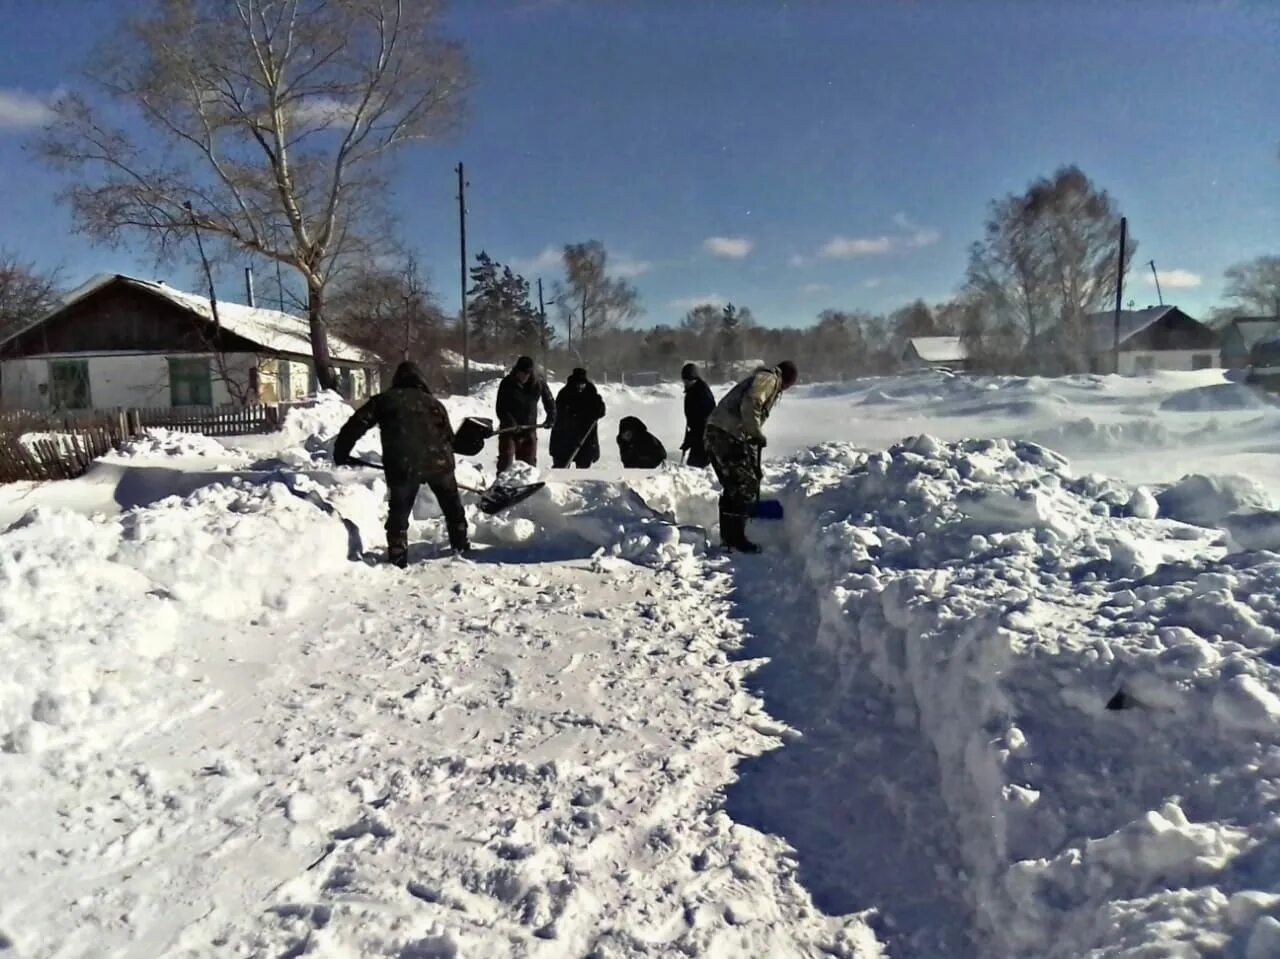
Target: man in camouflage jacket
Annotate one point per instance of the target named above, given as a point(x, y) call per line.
point(734, 438)
point(417, 448)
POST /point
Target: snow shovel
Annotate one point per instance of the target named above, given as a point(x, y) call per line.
point(492, 500)
point(764, 508)
point(585, 436)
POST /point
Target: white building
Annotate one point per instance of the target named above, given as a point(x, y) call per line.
point(118, 341)
point(1157, 338)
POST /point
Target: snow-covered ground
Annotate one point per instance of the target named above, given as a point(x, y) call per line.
point(1004, 684)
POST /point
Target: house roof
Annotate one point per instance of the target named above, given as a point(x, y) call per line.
point(272, 330)
point(1102, 326)
point(1255, 329)
point(939, 349)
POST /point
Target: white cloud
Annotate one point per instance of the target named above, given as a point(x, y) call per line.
point(691, 302)
point(730, 247)
point(873, 283)
point(912, 237)
point(812, 289)
point(551, 258)
point(847, 248)
point(628, 268)
point(1174, 279)
point(19, 109)
point(797, 260)
point(324, 112)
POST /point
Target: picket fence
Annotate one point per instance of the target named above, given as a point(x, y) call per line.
point(47, 446)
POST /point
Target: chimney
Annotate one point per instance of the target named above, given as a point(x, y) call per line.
point(248, 284)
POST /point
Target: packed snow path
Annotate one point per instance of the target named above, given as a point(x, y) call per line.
point(505, 757)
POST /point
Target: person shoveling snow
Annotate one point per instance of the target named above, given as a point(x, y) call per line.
point(417, 448)
point(734, 439)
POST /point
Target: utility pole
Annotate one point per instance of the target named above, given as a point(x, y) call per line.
point(542, 323)
point(1124, 229)
point(208, 272)
point(248, 285)
point(462, 272)
point(1156, 276)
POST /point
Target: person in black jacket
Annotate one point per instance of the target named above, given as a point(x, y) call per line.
point(417, 448)
point(638, 448)
point(698, 404)
point(578, 409)
point(517, 405)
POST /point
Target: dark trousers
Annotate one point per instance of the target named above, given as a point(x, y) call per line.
point(522, 446)
point(583, 460)
point(401, 496)
point(695, 445)
point(737, 467)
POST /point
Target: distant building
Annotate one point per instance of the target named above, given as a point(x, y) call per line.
point(1242, 334)
point(1157, 338)
point(118, 341)
point(928, 352)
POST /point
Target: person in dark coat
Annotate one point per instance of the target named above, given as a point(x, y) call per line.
point(417, 448)
point(517, 405)
point(578, 409)
point(639, 448)
point(698, 404)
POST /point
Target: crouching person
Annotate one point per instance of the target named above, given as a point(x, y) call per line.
point(734, 440)
point(637, 447)
point(417, 448)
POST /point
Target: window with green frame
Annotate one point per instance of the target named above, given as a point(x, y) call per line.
point(190, 382)
point(69, 384)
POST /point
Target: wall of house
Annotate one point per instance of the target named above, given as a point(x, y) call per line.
point(1136, 362)
point(137, 380)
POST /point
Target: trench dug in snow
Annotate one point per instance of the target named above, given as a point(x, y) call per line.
point(857, 793)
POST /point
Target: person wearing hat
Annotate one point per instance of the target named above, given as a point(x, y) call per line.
point(517, 406)
point(698, 404)
point(417, 448)
point(637, 447)
point(579, 408)
point(734, 438)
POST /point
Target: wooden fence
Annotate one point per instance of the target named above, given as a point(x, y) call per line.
point(48, 446)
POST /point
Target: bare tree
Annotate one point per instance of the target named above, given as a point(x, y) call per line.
point(392, 313)
point(1047, 259)
point(26, 292)
point(591, 299)
point(275, 119)
point(1254, 286)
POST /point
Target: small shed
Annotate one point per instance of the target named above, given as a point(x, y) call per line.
point(927, 352)
point(1242, 334)
point(119, 341)
point(1157, 338)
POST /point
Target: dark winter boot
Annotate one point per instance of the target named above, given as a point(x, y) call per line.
point(398, 548)
point(733, 533)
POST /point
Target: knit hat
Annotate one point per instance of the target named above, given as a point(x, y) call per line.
point(524, 364)
point(789, 372)
point(689, 372)
point(578, 373)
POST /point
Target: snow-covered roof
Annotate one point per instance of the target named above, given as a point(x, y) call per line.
point(939, 349)
point(1102, 326)
point(454, 360)
point(1255, 329)
point(272, 330)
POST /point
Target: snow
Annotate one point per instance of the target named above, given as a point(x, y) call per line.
point(1004, 684)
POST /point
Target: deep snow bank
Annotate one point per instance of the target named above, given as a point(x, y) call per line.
point(1004, 602)
point(91, 608)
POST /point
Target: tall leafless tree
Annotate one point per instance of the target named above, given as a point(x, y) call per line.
point(1254, 286)
point(589, 299)
point(274, 118)
point(1047, 259)
point(26, 292)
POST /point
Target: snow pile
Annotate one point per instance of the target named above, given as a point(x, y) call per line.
point(160, 442)
point(1215, 397)
point(94, 608)
point(1085, 433)
point(1205, 500)
point(1005, 604)
point(321, 417)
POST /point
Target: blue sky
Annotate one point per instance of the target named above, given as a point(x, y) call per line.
point(789, 156)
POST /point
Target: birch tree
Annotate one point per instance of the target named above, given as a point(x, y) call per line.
point(275, 119)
